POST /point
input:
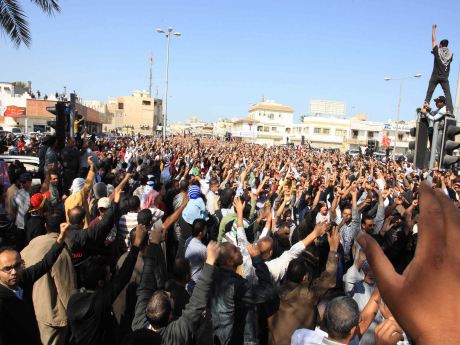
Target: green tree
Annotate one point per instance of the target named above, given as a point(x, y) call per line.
point(14, 23)
point(22, 85)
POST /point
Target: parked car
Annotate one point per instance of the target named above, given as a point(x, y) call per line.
point(31, 163)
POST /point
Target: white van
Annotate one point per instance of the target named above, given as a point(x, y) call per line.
point(14, 130)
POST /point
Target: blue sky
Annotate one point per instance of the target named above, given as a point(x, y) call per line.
point(233, 52)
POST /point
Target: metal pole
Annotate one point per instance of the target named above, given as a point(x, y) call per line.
point(165, 113)
point(397, 117)
point(457, 97)
point(433, 149)
point(150, 74)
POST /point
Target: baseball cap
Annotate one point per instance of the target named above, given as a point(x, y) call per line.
point(103, 203)
point(37, 201)
point(440, 99)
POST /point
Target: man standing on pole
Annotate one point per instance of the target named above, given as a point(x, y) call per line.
point(441, 69)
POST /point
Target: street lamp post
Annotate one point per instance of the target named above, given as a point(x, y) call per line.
point(165, 98)
point(401, 83)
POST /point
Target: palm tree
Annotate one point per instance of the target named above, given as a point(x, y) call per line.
point(13, 20)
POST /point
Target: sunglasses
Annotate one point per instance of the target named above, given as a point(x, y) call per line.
point(8, 269)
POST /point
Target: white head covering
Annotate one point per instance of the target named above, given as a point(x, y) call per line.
point(77, 185)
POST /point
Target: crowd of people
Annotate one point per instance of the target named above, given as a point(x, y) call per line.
point(199, 241)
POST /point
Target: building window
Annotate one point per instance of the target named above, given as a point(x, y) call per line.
point(306, 130)
point(273, 128)
point(400, 137)
point(355, 133)
point(340, 132)
point(279, 115)
point(260, 128)
point(326, 130)
point(146, 103)
point(120, 106)
point(271, 116)
point(266, 129)
point(370, 135)
point(317, 130)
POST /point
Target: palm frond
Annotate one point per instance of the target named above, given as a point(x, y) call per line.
point(13, 22)
point(48, 6)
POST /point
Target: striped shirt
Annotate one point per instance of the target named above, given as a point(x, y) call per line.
point(21, 203)
point(129, 221)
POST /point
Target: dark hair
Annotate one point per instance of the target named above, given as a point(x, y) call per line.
point(366, 217)
point(214, 182)
point(247, 210)
point(342, 314)
point(298, 269)
point(144, 217)
point(283, 224)
point(76, 215)
point(158, 309)
point(53, 220)
point(143, 180)
point(109, 178)
point(133, 203)
point(224, 254)
point(181, 269)
point(444, 43)
point(198, 226)
point(226, 198)
point(92, 271)
point(50, 140)
point(157, 186)
point(183, 186)
point(7, 249)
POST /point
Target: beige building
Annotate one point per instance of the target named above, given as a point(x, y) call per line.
point(321, 131)
point(267, 123)
point(134, 114)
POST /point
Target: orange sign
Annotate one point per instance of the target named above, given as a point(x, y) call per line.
point(14, 111)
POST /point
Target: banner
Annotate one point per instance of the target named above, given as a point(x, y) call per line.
point(14, 111)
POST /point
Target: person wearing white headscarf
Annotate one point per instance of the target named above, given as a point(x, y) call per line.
point(79, 193)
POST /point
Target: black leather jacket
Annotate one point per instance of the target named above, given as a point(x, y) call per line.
point(234, 302)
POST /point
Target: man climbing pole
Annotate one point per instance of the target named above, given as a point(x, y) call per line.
point(441, 69)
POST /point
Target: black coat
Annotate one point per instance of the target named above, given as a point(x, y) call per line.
point(153, 278)
point(234, 302)
point(18, 324)
point(183, 330)
point(90, 313)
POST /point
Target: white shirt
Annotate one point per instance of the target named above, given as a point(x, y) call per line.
point(304, 336)
point(211, 202)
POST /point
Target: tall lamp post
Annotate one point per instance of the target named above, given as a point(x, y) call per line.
point(168, 34)
point(401, 82)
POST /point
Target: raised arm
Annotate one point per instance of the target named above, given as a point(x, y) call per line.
point(120, 186)
point(175, 216)
point(124, 274)
point(193, 313)
point(153, 278)
point(433, 35)
point(89, 178)
point(327, 279)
